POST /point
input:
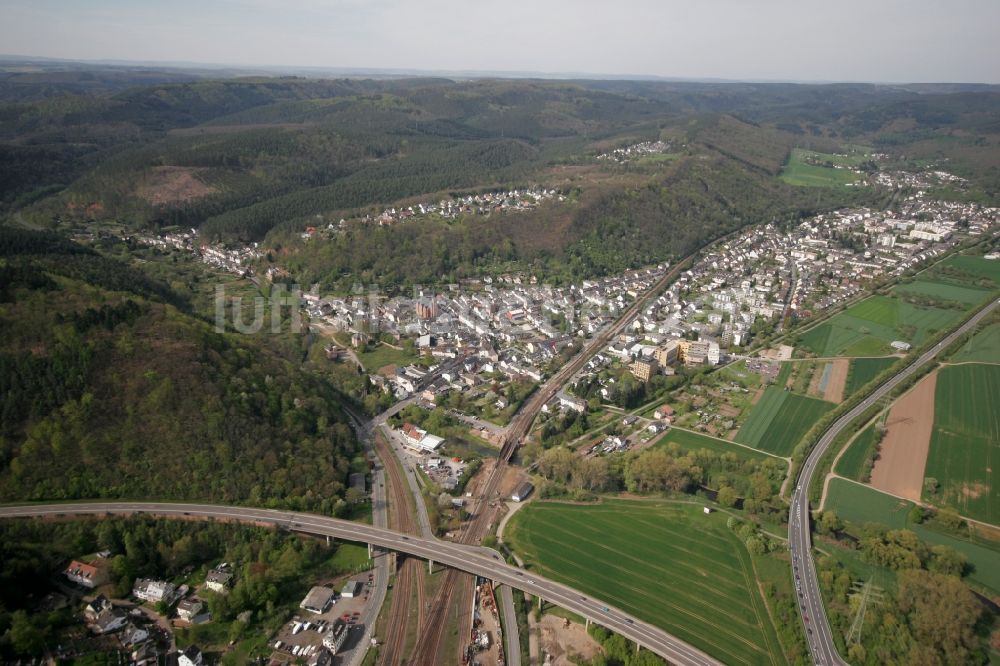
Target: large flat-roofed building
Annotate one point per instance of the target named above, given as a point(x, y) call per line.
point(667, 353)
point(698, 352)
point(419, 439)
point(643, 369)
point(318, 600)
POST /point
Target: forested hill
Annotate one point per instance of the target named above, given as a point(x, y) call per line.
point(109, 390)
point(259, 159)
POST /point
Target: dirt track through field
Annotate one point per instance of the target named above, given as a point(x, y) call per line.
point(903, 456)
point(837, 382)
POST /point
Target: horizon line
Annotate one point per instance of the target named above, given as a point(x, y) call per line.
point(409, 72)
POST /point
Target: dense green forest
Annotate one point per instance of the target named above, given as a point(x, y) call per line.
point(249, 159)
point(111, 388)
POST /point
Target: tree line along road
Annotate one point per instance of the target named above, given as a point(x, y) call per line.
point(812, 611)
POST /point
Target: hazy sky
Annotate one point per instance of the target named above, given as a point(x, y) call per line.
point(857, 40)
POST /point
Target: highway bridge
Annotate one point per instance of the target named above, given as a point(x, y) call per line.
point(472, 559)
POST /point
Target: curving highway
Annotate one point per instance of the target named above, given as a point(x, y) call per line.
point(811, 609)
point(472, 559)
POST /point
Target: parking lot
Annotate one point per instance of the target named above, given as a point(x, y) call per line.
point(302, 635)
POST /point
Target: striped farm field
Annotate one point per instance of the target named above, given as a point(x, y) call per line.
point(863, 370)
point(967, 400)
point(984, 347)
point(666, 563)
point(964, 453)
point(780, 419)
point(851, 464)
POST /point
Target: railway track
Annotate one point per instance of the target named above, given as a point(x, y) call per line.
point(408, 577)
point(473, 533)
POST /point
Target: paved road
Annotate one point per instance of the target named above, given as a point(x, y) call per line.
point(356, 654)
point(811, 608)
point(512, 647)
point(472, 559)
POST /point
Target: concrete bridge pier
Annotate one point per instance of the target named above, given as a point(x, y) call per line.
point(430, 567)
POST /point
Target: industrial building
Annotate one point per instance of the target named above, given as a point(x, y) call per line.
point(352, 588)
point(318, 600)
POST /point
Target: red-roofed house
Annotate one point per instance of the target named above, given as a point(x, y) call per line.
point(84, 574)
point(664, 412)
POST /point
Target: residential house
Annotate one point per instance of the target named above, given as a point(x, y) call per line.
point(191, 656)
point(85, 574)
point(95, 607)
point(218, 580)
point(109, 620)
point(154, 591)
point(188, 609)
point(569, 402)
point(133, 635)
point(663, 412)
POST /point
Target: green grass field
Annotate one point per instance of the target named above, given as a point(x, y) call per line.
point(863, 370)
point(944, 291)
point(798, 172)
point(852, 462)
point(976, 266)
point(867, 328)
point(984, 347)
point(860, 504)
point(692, 441)
point(780, 419)
point(966, 400)
point(666, 563)
point(964, 454)
point(383, 355)
point(880, 310)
